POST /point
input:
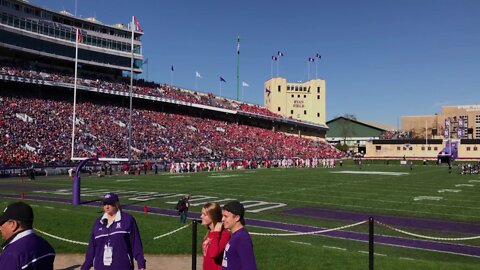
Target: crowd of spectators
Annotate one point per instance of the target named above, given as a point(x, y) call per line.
point(140, 87)
point(39, 131)
point(395, 134)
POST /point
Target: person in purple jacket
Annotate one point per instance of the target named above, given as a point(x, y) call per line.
point(238, 254)
point(115, 240)
point(23, 249)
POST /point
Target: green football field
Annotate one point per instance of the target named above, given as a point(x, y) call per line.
point(424, 193)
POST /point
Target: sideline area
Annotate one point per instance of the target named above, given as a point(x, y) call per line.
point(154, 261)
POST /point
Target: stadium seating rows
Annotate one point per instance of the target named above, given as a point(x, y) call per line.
point(39, 131)
point(151, 89)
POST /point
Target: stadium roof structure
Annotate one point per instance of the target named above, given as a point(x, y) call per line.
point(342, 127)
point(383, 126)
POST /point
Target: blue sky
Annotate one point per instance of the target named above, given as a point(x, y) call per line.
point(381, 59)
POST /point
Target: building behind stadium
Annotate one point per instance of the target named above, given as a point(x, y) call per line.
point(303, 101)
point(466, 117)
point(430, 136)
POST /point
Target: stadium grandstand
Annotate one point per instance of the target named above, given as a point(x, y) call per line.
point(37, 52)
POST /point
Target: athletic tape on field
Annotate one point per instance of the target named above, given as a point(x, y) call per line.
point(61, 239)
point(309, 233)
point(172, 232)
point(429, 237)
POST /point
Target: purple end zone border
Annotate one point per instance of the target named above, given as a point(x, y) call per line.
point(412, 222)
point(466, 250)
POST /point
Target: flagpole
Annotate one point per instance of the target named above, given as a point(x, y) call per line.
point(171, 77)
point(316, 69)
point(196, 77)
point(278, 65)
point(308, 70)
point(220, 86)
point(132, 25)
point(271, 68)
point(74, 93)
point(238, 66)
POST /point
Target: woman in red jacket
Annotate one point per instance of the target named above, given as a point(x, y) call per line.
point(216, 238)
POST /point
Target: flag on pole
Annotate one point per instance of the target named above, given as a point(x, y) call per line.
point(137, 24)
point(222, 79)
point(171, 68)
point(310, 59)
point(279, 53)
point(245, 84)
point(318, 56)
point(238, 44)
point(446, 132)
point(198, 75)
point(79, 36)
point(274, 58)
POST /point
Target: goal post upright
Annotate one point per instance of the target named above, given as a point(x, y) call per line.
point(76, 177)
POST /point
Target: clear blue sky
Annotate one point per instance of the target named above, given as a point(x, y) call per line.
point(381, 59)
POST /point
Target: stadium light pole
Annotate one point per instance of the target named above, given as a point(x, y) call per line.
point(132, 26)
point(238, 67)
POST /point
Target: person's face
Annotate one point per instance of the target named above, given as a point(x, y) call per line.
point(229, 219)
point(110, 209)
point(8, 229)
point(206, 220)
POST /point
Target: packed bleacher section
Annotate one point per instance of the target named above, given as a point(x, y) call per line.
point(141, 87)
point(39, 131)
point(395, 134)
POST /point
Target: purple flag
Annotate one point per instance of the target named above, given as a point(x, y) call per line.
point(460, 128)
point(446, 132)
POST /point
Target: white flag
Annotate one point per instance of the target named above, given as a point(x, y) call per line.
point(245, 84)
point(198, 75)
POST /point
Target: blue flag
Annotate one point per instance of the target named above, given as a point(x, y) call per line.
point(274, 58)
point(318, 56)
point(279, 53)
point(172, 69)
point(222, 79)
point(310, 59)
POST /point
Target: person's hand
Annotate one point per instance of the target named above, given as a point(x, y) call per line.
point(218, 227)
